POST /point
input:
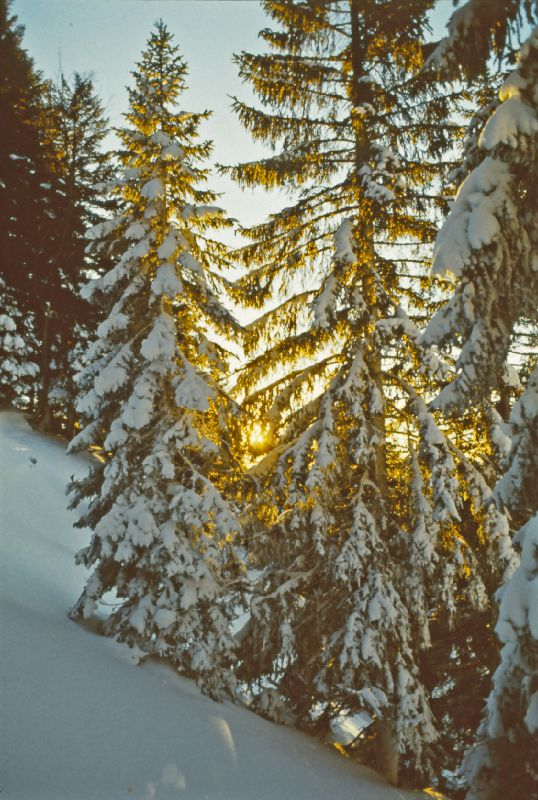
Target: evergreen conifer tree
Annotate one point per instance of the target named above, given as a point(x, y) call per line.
point(162, 530)
point(489, 242)
point(27, 204)
point(355, 567)
point(50, 167)
point(78, 128)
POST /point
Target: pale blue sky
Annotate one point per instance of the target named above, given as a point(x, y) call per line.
point(106, 37)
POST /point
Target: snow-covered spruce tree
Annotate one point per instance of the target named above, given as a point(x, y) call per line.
point(78, 128)
point(355, 566)
point(162, 531)
point(503, 762)
point(490, 242)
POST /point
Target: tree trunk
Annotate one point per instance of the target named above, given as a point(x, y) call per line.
point(504, 406)
point(387, 757)
point(43, 406)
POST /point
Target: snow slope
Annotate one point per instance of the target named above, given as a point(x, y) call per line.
point(79, 720)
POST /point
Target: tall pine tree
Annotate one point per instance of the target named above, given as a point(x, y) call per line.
point(51, 163)
point(78, 128)
point(489, 242)
point(162, 530)
point(28, 195)
point(357, 570)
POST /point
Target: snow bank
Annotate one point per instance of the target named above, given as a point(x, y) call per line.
point(79, 721)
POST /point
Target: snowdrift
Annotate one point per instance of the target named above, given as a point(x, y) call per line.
point(79, 720)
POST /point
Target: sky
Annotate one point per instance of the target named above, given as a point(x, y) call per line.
point(106, 38)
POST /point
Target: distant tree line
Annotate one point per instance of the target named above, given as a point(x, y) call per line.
point(53, 170)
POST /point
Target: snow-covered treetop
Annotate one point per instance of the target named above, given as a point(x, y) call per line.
point(170, 217)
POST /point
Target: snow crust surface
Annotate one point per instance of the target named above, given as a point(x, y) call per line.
point(79, 720)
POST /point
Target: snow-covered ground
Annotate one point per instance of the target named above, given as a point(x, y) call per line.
point(79, 721)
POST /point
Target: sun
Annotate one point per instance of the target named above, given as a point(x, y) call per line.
point(259, 437)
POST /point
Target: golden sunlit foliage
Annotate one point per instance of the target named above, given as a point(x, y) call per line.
point(359, 478)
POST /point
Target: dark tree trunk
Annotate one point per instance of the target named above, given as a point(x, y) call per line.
point(387, 757)
point(44, 418)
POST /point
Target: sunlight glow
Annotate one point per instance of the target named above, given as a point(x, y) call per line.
point(259, 437)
